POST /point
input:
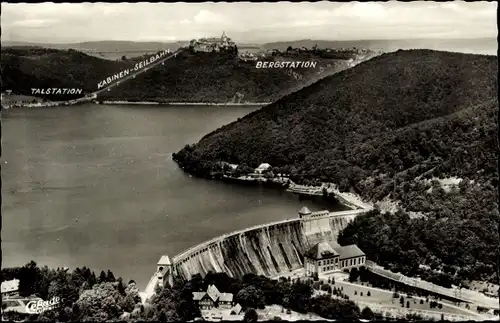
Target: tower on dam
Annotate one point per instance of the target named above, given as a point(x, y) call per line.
point(164, 270)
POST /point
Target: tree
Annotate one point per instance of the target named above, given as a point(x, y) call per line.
point(101, 303)
point(353, 274)
point(128, 303)
point(162, 317)
point(102, 277)
point(133, 291)
point(64, 287)
point(124, 58)
point(251, 315)
point(250, 296)
point(29, 275)
point(121, 287)
point(76, 313)
point(367, 313)
point(289, 49)
point(110, 277)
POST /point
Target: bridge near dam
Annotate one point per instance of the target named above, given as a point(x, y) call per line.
point(267, 249)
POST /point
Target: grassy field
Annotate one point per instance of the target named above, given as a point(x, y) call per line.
point(267, 314)
point(483, 286)
point(385, 298)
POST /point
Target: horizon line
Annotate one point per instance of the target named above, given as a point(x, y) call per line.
point(249, 42)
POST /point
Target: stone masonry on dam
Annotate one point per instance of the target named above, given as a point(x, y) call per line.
point(268, 249)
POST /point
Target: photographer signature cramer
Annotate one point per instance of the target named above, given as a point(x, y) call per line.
point(40, 306)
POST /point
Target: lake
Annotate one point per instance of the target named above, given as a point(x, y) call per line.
point(95, 186)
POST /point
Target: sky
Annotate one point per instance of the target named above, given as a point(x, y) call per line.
point(247, 22)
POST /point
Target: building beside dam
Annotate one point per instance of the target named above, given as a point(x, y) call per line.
point(327, 257)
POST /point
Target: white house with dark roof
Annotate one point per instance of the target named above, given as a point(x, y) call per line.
point(213, 298)
point(10, 287)
point(325, 257)
point(225, 300)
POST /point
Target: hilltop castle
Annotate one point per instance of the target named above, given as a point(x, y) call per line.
point(223, 43)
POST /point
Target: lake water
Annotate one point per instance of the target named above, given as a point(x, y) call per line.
point(92, 185)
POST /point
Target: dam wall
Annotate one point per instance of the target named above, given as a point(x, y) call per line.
point(267, 249)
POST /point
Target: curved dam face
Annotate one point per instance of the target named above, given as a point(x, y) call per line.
point(268, 249)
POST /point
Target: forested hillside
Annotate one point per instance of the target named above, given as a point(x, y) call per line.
point(190, 77)
point(217, 77)
point(27, 68)
point(389, 127)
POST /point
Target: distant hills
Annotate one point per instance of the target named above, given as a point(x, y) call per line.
point(475, 46)
point(104, 46)
point(388, 128)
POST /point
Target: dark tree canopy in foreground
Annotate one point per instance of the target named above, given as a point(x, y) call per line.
point(86, 298)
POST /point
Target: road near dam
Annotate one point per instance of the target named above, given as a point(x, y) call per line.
point(267, 249)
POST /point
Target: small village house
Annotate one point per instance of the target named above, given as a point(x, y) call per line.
point(212, 298)
point(10, 287)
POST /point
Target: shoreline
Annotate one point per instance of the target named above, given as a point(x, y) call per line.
point(186, 103)
point(80, 101)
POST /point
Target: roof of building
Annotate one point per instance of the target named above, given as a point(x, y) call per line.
point(236, 309)
point(350, 251)
point(264, 166)
point(304, 210)
point(326, 249)
point(198, 295)
point(164, 260)
point(225, 297)
point(214, 295)
point(213, 292)
point(321, 250)
point(10, 286)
